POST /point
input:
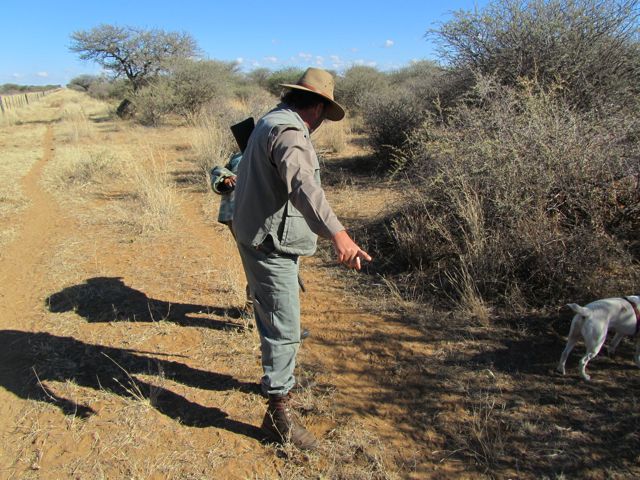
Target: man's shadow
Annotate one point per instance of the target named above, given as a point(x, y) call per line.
point(29, 361)
point(107, 299)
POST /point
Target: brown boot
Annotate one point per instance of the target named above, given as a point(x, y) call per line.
point(281, 423)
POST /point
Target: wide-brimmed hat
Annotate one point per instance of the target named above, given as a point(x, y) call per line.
point(320, 82)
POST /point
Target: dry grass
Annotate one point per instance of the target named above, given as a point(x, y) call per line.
point(331, 137)
point(212, 142)
point(155, 194)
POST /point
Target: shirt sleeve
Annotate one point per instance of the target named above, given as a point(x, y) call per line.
point(296, 162)
point(218, 174)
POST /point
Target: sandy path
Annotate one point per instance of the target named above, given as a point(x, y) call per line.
point(40, 226)
point(348, 354)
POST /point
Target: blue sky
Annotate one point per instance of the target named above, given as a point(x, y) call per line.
point(35, 35)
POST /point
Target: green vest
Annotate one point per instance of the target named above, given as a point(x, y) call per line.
point(262, 206)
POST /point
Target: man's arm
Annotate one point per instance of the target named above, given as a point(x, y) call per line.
point(296, 164)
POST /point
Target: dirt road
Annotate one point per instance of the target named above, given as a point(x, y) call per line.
point(124, 354)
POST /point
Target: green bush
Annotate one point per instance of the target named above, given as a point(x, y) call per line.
point(284, 75)
point(185, 90)
point(154, 101)
point(195, 83)
point(356, 84)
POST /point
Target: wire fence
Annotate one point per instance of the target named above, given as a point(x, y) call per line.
point(18, 100)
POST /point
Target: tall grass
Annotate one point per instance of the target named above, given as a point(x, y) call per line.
point(331, 137)
point(154, 191)
point(212, 142)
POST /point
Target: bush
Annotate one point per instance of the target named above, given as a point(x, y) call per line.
point(521, 201)
point(82, 83)
point(285, 75)
point(589, 47)
point(195, 83)
point(357, 83)
point(154, 101)
point(389, 119)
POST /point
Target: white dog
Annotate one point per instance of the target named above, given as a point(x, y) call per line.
point(621, 315)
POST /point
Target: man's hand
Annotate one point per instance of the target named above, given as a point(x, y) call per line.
point(230, 182)
point(347, 251)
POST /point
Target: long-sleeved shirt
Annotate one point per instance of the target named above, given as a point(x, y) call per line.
point(278, 192)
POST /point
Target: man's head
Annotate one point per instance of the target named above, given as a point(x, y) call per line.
point(312, 95)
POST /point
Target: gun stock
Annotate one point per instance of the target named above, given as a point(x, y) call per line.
point(242, 131)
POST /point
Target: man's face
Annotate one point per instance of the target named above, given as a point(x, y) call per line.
point(317, 117)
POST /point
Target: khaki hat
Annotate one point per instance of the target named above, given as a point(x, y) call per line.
point(316, 80)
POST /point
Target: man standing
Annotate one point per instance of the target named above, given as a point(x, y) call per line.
point(279, 211)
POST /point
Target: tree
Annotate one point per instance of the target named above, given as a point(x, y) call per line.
point(588, 47)
point(83, 82)
point(132, 52)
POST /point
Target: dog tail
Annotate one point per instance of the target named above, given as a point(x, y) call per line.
point(585, 312)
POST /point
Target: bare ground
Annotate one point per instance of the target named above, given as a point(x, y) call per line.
point(123, 353)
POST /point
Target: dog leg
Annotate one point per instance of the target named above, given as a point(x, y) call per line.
point(574, 336)
point(593, 348)
point(565, 354)
point(614, 344)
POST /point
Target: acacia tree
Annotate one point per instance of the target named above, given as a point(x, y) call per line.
point(132, 52)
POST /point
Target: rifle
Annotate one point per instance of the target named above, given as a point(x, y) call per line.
point(242, 131)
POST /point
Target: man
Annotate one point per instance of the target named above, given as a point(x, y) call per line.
point(279, 211)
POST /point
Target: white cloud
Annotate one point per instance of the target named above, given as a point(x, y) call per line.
point(42, 74)
point(319, 60)
point(239, 60)
point(271, 59)
point(17, 75)
point(365, 63)
point(388, 43)
point(305, 56)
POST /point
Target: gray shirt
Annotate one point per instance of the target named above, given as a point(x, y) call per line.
point(278, 191)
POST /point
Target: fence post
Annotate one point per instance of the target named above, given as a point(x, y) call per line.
point(1, 105)
point(26, 97)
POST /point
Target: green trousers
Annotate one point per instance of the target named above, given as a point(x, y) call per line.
point(273, 281)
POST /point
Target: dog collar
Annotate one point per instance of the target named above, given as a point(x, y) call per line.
point(636, 311)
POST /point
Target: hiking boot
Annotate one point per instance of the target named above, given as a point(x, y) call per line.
point(282, 424)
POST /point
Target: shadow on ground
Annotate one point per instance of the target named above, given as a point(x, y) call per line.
point(486, 400)
point(28, 361)
point(108, 299)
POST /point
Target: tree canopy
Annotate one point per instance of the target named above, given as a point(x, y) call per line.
point(134, 53)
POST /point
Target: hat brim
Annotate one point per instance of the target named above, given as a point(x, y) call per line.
point(335, 112)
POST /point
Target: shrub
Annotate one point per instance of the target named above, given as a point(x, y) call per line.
point(195, 83)
point(285, 75)
point(389, 119)
point(82, 83)
point(589, 47)
point(358, 82)
point(521, 201)
point(154, 101)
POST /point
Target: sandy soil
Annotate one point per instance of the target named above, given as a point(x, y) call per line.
point(123, 353)
point(125, 356)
